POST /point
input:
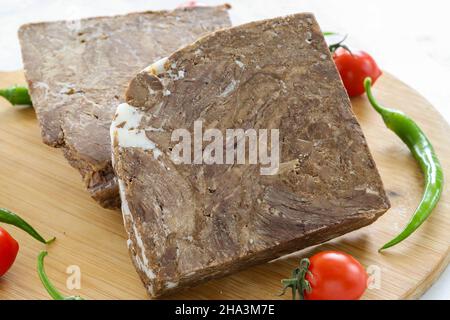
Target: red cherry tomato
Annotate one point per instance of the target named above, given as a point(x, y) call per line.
point(354, 67)
point(335, 276)
point(8, 251)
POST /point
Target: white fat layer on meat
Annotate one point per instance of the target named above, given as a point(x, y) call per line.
point(370, 191)
point(150, 289)
point(148, 272)
point(171, 285)
point(151, 129)
point(230, 88)
point(140, 244)
point(240, 64)
point(125, 127)
point(141, 260)
point(123, 199)
point(126, 133)
point(157, 67)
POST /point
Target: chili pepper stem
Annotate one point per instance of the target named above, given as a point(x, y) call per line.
point(50, 241)
point(333, 47)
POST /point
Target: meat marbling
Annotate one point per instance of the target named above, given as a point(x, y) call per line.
point(188, 223)
point(77, 72)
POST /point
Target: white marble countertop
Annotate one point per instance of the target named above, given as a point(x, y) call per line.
point(408, 38)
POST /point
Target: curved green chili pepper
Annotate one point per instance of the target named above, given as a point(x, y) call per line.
point(422, 150)
point(11, 218)
point(52, 291)
point(16, 95)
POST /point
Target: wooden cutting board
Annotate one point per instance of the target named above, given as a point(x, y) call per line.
point(39, 184)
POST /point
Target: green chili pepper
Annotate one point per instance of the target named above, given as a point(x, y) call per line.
point(52, 291)
point(422, 150)
point(9, 217)
point(16, 95)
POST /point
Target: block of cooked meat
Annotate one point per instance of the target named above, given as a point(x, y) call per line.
point(77, 72)
point(191, 222)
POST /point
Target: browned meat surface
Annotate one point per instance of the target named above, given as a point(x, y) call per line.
point(77, 72)
point(188, 223)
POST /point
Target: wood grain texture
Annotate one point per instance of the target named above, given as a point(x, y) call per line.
point(37, 183)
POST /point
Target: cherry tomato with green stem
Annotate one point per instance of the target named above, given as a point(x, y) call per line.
point(335, 275)
point(354, 67)
point(327, 275)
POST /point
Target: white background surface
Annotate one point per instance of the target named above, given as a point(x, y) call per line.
point(410, 39)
